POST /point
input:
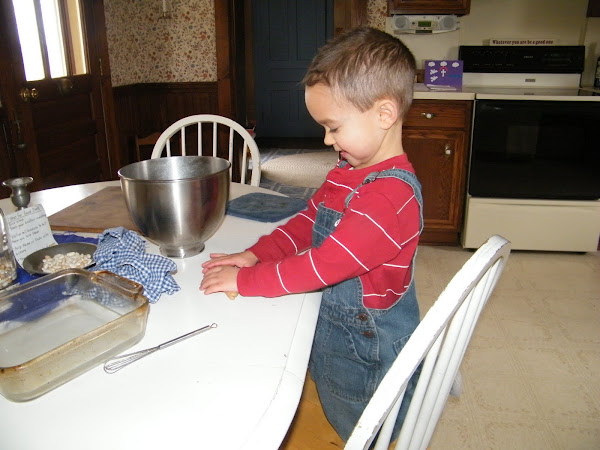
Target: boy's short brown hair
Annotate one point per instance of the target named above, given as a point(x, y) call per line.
point(364, 65)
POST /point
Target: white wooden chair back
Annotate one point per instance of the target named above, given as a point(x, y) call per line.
point(440, 342)
point(163, 144)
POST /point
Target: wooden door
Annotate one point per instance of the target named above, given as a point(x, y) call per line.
point(287, 34)
point(60, 129)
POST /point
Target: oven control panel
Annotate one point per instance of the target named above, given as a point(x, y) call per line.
point(522, 59)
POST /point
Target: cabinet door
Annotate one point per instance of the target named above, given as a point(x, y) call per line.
point(429, 6)
point(439, 159)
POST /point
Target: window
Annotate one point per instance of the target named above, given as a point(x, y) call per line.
point(51, 37)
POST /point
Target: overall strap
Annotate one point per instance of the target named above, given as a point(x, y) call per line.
point(401, 174)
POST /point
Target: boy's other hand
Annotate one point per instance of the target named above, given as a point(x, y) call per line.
point(243, 259)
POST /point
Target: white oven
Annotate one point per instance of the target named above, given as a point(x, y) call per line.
point(534, 166)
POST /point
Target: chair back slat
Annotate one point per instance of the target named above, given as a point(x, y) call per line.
point(244, 162)
point(215, 147)
point(199, 139)
point(237, 134)
point(230, 154)
point(183, 146)
point(439, 342)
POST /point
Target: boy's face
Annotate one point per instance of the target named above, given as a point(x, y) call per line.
point(358, 136)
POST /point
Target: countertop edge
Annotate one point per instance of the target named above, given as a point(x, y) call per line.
point(292, 381)
point(421, 92)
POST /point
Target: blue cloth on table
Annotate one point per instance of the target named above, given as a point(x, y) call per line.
point(265, 207)
point(123, 252)
point(23, 276)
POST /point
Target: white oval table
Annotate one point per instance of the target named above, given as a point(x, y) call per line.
point(237, 386)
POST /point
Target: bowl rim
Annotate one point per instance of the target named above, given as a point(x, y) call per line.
point(33, 262)
point(128, 167)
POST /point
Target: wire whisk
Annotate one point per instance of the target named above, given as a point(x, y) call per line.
point(118, 362)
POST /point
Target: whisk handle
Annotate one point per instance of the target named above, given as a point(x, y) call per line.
point(186, 336)
point(118, 362)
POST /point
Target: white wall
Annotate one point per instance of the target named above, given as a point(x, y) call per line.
point(561, 20)
point(592, 46)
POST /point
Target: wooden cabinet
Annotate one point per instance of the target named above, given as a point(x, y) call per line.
point(436, 139)
point(459, 7)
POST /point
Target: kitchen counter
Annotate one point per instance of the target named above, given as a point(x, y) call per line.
point(421, 92)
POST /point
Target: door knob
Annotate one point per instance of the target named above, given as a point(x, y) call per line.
point(27, 94)
point(428, 115)
point(447, 151)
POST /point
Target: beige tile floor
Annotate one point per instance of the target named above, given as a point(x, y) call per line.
point(531, 375)
point(532, 372)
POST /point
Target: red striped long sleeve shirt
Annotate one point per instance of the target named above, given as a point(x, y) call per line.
point(375, 240)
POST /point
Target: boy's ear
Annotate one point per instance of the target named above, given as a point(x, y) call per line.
point(388, 113)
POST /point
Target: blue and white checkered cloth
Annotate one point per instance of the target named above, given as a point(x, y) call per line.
point(123, 252)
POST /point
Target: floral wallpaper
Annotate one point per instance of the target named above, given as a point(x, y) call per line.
point(145, 47)
point(376, 13)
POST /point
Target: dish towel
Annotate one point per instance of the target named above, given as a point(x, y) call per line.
point(265, 207)
point(123, 252)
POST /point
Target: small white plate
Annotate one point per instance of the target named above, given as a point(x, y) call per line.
point(33, 263)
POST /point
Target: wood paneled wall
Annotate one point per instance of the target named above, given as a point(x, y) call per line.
point(141, 109)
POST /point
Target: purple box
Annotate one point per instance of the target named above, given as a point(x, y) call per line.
point(445, 73)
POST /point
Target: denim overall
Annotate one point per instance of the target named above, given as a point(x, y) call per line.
point(355, 346)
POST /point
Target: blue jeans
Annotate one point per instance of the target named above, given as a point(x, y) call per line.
point(355, 346)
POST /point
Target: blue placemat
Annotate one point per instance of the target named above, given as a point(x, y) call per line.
point(265, 207)
point(23, 276)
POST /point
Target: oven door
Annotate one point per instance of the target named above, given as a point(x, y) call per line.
point(532, 149)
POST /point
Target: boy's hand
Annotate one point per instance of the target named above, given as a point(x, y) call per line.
point(220, 272)
point(243, 259)
point(220, 279)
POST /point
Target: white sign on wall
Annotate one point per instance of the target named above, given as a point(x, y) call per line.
point(523, 42)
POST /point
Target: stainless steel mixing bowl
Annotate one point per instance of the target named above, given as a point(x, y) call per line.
point(177, 202)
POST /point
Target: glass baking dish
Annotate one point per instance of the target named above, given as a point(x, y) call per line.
point(59, 326)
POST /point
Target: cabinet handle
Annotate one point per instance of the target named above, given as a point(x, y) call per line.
point(428, 115)
point(447, 151)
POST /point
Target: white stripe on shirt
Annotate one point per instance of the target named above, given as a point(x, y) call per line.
point(378, 226)
point(341, 185)
point(315, 269)
point(304, 215)
point(411, 238)
point(280, 280)
point(291, 240)
point(349, 252)
point(406, 203)
point(386, 293)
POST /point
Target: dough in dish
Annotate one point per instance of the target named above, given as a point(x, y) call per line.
point(231, 294)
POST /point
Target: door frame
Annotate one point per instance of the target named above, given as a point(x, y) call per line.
point(111, 130)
